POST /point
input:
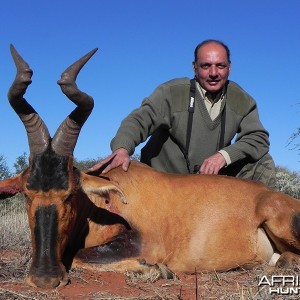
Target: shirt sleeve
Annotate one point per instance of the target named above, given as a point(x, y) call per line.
point(226, 156)
point(142, 122)
point(252, 139)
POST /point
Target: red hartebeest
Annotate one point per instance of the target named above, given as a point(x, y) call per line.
point(141, 220)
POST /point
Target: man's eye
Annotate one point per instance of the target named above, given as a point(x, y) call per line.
point(205, 67)
point(221, 66)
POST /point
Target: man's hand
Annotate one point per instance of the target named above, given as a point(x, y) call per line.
point(213, 164)
point(118, 158)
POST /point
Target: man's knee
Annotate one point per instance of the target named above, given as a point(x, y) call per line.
point(263, 170)
point(266, 171)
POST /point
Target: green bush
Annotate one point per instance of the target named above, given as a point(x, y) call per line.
point(288, 182)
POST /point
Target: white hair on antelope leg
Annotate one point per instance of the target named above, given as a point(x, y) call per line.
point(274, 259)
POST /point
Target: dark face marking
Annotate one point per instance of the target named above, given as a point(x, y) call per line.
point(45, 234)
point(46, 270)
point(49, 171)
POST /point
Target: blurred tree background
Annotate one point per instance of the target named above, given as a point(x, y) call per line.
point(287, 181)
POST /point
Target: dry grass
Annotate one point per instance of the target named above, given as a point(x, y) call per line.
point(13, 223)
point(233, 285)
point(16, 256)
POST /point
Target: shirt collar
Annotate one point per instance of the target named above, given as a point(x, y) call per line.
point(207, 96)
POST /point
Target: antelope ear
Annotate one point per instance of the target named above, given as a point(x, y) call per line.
point(100, 186)
point(11, 186)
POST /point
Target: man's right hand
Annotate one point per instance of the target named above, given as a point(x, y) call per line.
point(120, 157)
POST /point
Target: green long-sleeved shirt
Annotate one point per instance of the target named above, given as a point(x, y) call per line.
point(164, 114)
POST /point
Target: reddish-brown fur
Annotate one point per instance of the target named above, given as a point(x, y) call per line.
point(186, 222)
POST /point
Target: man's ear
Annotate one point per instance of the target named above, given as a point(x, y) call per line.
point(194, 66)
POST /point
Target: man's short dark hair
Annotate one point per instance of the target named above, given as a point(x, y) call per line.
point(212, 41)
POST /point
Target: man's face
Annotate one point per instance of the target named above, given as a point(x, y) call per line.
point(212, 67)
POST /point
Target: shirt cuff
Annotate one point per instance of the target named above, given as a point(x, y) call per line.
point(226, 157)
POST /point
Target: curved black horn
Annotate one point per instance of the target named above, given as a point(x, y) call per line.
point(66, 136)
point(37, 132)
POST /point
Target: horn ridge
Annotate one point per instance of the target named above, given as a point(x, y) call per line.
point(70, 74)
point(66, 136)
point(37, 132)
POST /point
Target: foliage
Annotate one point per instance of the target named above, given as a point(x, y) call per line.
point(288, 182)
point(4, 170)
point(292, 141)
point(85, 164)
point(21, 163)
point(293, 138)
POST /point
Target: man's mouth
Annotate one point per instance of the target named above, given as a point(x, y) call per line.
point(213, 82)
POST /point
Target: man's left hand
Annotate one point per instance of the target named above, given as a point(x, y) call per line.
point(213, 164)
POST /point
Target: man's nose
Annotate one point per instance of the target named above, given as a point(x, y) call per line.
point(213, 71)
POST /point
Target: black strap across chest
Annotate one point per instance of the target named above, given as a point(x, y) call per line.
point(191, 110)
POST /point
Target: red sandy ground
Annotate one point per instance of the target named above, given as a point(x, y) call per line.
point(105, 285)
point(86, 284)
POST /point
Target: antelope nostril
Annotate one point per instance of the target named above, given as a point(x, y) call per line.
point(46, 282)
